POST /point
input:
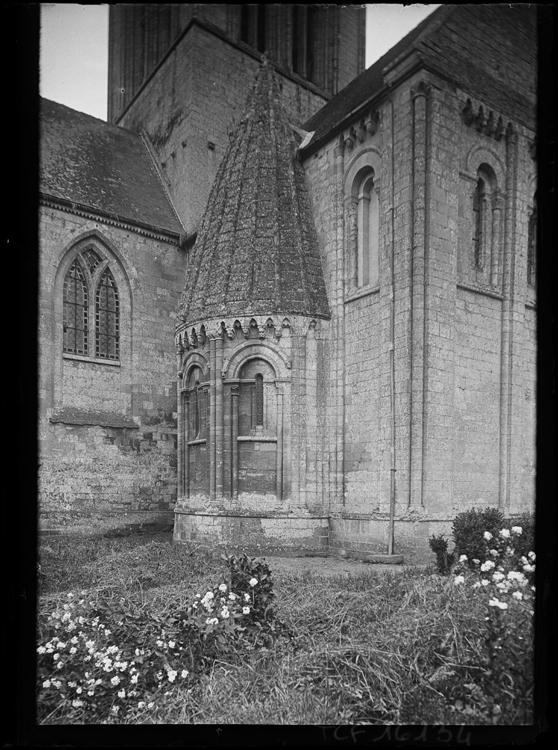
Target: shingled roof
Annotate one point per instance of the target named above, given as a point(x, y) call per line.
point(101, 167)
point(256, 252)
point(447, 42)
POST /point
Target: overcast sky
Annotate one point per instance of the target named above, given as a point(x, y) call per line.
point(74, 48)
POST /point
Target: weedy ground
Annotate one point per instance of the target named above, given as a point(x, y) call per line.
point(375, 648)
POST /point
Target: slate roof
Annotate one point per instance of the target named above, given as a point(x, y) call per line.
point(445, 42)
point(101, 167)
point(256, 252)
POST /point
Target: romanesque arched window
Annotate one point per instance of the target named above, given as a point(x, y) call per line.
point(367, 266)
point(532, 247)
point(195, 390)
point(107, 324)
point(259, 400)
point(75, 311)
point(487, 209)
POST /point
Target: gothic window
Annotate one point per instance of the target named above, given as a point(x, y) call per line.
point(91, 307)
point(367, 266)
point(532, 248)
point(107, 328)
point(75, 310)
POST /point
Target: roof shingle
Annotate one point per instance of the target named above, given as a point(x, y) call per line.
point(102, 167)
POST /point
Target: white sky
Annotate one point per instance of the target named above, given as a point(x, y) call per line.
point(74, 48)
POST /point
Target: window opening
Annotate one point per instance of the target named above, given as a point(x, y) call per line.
point(259, 398)
point(532, 248)
point(75, 311)
point(478, 218)
point(92, 259)
point(107, 341)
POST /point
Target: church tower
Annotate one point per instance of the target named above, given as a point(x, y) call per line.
point(180, 75)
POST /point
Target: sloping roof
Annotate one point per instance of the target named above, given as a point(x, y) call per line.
point(256, 252)
point(447, 41)
point(102, 167)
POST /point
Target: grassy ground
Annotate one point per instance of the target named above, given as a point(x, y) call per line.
point(390, 648)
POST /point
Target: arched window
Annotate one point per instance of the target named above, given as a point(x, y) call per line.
point(479, 217)
point(259, 400)
point(107, 327)
point(367, 265)
point(91, 307)
point(532, 247)
point(197, 404)
point(75, 312)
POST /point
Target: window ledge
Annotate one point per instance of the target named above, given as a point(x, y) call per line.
point(256, 439)
point(93, 360)
point(199, 441)
point(364, 292)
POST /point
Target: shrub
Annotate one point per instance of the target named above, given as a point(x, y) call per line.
point(444, 559)
point(105, 656)
point(504, 684)
point(468, 529)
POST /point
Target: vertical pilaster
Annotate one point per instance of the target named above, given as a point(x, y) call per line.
point(219, 418)
point(212, 418)
point(338, 310)
point(496, 239)
point(234, 442)
point(507, 318)
point(418, 296)
point(185, 456)
point(279, 467)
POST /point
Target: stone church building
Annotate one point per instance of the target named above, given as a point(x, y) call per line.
point(287, 301)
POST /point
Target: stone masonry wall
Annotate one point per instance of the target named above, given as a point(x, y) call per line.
point(107, 431)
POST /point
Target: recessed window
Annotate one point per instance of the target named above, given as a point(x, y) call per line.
point(90, 293)
point(532, 248)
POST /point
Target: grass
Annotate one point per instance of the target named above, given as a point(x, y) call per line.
point(389, 648)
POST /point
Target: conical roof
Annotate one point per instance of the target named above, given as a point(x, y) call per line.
point(256, 252)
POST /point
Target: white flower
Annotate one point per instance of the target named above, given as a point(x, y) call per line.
point(487, 535)
point(531, 556)
point(504, 533)
point(476, 585)
point(141, 704)
point(134, 679)
point(497, 576)
point(476, 561)
point(494, 552)
point(459, 579)
point(528, 568)
point(225, 612)
point(172, 644)
point(41, 650)
point(115, 709)
point(122, 693)
point(462, 558)
point(184, 673)
point(73, 650)
point(150, 705)
point(232, 596)
point(77, 703)
point(517, 530)
point(245, 610)
point(160, 644)
point(171, 674)
point(246, 597)
point(485, 582)
point(517, 595)
point(515, 575)
point(56, 656)
point(223, 587)
point(253, 581)
point(487, 565)
point(497, 603)
point(46, 684)
point(115, 680)
point(209, 595)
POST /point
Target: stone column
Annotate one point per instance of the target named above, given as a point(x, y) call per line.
point(234, 442)
point(185, 456)
point(219, 418)
point(279, 472)
point(212, 443)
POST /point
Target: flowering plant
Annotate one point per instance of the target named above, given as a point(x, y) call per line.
point(101, 658)
point(505, 583)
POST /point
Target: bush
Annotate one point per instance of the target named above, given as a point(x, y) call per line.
point(468, 530)
point(444, 559)
point(102, 656)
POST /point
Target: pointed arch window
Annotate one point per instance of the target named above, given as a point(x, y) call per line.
point(91, 307)
point(75, 311)
point(107, 327)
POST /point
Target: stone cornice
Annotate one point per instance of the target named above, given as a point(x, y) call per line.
point(146, 230)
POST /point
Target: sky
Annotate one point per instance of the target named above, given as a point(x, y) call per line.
point(74, 48)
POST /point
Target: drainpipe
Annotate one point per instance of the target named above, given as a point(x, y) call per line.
point(391, 537)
